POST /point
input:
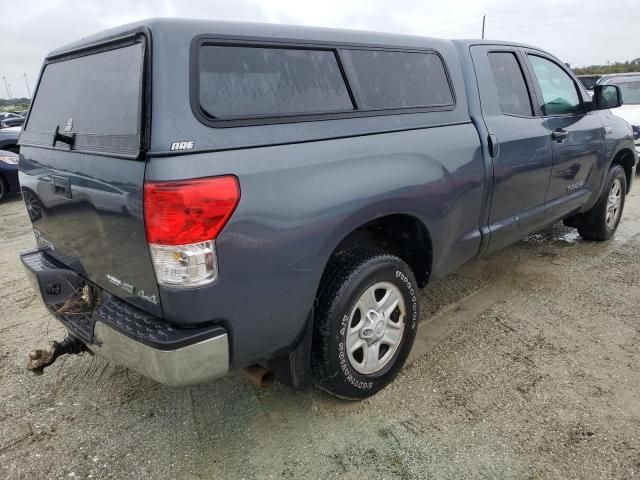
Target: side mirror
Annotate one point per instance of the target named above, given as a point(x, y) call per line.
point(607, 96)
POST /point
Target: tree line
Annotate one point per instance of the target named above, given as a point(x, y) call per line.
point(21, 103)
point(617, 67)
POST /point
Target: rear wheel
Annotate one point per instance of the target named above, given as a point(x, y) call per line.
point(365, 324)
point(3, 189)
point(601, 222)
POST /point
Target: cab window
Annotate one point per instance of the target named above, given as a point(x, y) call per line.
point(511, 87)
point(559, 92)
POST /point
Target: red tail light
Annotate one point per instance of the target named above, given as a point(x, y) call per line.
point(188, 211)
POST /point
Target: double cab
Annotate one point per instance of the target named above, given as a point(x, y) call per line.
point(209, 196)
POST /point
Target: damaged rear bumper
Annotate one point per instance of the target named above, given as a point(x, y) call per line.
point(126, 335)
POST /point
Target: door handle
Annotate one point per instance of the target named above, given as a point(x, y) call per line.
point(494, 146)
point(559, 134)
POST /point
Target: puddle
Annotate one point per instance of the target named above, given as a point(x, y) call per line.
point(556, 234)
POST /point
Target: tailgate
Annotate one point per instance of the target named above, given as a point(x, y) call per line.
point(82, 170)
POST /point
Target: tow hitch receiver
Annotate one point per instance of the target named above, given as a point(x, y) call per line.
point(39, 359)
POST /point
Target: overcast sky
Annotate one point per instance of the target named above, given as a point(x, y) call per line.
point(581, 32)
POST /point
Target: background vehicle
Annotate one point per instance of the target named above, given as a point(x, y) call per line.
point(4, 115)
point(8, 174)
point(630, 111)
point(315, 179)
point(589, 81)
point(9, 139)
point(12, 122)
point(610, 77)
point(8, 119)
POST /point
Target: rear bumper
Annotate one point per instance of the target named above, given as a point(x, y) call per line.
point(128, 336)
point(189, 365)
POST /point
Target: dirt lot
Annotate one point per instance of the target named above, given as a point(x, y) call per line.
point(527, 366)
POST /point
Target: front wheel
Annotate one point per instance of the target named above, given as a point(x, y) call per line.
point(601, 222)
point(366, 320)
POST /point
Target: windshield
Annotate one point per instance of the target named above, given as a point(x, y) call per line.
point(588, 82)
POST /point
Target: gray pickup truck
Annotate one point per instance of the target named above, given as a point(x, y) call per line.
point(209, 196)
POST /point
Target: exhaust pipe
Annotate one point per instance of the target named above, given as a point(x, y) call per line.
point(259, 376)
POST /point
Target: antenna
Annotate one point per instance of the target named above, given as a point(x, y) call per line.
point(6, 85)
point(27, 83)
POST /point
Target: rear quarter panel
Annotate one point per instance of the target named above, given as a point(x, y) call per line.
point(306, 185)
point(299, 201)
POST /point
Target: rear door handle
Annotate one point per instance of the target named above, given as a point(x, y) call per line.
point(559, 134)
point(494, 146)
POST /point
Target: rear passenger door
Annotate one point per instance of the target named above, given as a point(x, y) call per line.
point(577, 135)
point(519, 143)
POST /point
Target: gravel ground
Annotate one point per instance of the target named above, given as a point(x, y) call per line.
point(527, 365)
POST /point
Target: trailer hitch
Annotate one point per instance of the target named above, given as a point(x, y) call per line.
point(39, 359)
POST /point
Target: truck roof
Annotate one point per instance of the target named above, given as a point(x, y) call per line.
point(181, 27)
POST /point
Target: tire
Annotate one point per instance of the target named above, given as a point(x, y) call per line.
point(3, 189)
point(354, 282)
point(33, 204)
point(601, 222)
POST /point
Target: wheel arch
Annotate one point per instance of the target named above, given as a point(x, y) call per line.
point(625, 157)
point(11, 147)
point(402, 234)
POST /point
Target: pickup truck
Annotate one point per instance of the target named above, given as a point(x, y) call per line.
point(209, 196)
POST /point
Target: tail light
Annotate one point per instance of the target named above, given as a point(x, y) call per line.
point(182, 220)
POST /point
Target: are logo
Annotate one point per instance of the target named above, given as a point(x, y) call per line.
point(182, 146)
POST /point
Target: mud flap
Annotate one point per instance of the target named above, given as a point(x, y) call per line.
point(293, 368)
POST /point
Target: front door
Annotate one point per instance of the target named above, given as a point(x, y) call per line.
point(577, 135)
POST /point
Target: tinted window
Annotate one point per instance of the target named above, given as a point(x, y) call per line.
point(100, 93)
point(630, 92)
point(254, 81)
point(589, 82)
point(383, 79)
point(559, 93)
point(513, 95)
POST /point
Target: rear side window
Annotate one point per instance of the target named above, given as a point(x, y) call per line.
point(98, 94)
point(255, 81)
point(388, 79)
point(513, 95)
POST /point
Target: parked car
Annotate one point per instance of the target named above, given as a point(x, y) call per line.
point(9, 139)
point(299, 185)
point(630, 111)
point(12, 122)
point(589, 81)
point(8, 174)
point(606, 79)
point(10, 119)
